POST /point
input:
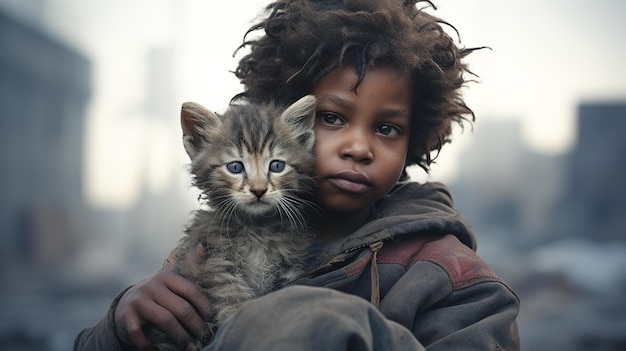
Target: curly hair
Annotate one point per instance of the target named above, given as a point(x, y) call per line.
point(304, 40)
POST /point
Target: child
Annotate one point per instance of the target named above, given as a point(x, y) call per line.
point(393, 266)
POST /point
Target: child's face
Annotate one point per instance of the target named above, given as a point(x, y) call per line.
point(361, 140)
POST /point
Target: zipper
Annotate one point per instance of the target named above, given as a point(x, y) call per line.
point(338, 259)
point(374, 278)
point(341, 257)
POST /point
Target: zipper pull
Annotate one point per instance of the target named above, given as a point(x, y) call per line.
point(375, 289)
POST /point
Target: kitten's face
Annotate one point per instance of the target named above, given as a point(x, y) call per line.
point(254, 161)
point(256, 179)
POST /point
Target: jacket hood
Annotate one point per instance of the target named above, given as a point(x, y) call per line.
point(410, 209)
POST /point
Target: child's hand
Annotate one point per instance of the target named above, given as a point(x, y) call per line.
point(167, 300)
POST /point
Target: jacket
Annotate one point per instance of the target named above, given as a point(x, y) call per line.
point(416, 261)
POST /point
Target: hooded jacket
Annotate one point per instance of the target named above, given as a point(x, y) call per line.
point(416, 261)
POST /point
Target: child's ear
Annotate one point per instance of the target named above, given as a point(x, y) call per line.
point(196, 121)
point(300, 116)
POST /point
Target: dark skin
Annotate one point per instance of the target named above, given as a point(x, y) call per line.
point(166, 299)
point(361, 148)
point(361, 145)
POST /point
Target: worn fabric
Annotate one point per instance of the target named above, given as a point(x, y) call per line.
point(332, 321)
point(415, 262)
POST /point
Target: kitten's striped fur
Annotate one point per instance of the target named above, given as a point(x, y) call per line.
point(252, 165)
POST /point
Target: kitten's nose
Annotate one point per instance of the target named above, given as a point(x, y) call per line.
point(258, 192)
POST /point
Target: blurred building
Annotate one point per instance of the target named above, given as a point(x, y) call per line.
point(505, 190)
point(593, 204)
point(44, 90)
point(554, 226)
point(61, 261)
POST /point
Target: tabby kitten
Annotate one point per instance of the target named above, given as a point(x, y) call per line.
point(252, 165)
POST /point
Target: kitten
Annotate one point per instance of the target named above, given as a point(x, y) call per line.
point(252, 165)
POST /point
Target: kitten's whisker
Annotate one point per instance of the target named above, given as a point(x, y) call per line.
point(281, 211)
point(292, 212)
point(287, 210)
point(226, 211)
point(301, 202)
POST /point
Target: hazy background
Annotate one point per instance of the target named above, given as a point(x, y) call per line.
point(94, 190)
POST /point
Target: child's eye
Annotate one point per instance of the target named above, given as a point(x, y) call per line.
point(329, 118)
point(235, 167)
point(277, 166)
point(387, 129)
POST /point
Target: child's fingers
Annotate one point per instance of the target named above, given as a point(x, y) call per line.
point(132, 333)
point(190, 292)
point(182, 310)
point(165, 299)
point(129, 320)
point(165, 320)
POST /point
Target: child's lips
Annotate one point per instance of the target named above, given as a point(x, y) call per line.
point(351, 181)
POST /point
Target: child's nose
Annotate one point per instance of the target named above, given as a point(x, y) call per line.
point(357, 147)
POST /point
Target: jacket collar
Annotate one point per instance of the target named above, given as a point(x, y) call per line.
point(409, 209)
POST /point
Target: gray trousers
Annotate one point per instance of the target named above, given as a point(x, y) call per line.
point(311, 318)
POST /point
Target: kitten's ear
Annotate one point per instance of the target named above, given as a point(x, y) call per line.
point(301, 117)
point(195, 121)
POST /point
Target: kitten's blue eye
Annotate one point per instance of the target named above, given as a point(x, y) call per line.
point(277, 166)
point(235, 167)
